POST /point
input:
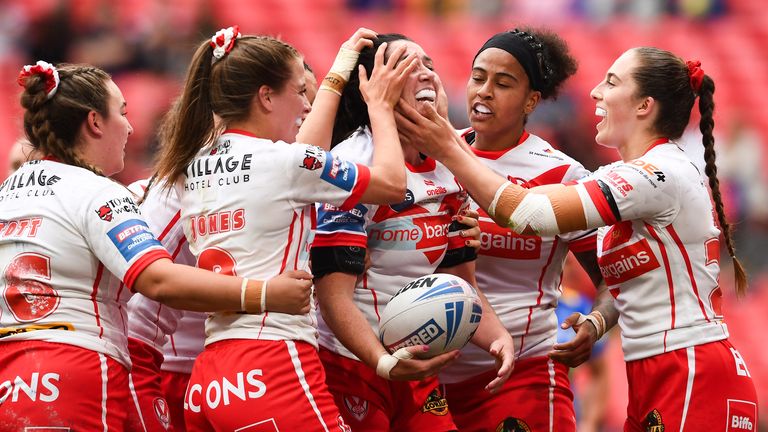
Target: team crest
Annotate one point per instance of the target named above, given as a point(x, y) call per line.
point(105, 213)
point(162, 412)
point(313, 157)
point(356, 406)
point(511, 424)
point(435, 403)
point(653, 422)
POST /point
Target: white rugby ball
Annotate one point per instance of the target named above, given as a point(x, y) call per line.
point(438, 310)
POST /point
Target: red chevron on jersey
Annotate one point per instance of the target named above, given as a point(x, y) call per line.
point(628, 263)
point(553, 176)
point(617, 235)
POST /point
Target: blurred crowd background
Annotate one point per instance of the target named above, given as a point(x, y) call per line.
point(146, 45)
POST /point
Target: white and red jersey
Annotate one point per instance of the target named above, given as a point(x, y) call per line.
point(404, 241)
point(248, 209)
point(65, 232)
point(520, 275)
point(659, 254)
point(178, 334)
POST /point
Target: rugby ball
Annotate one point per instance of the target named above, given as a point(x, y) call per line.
point(438, 310)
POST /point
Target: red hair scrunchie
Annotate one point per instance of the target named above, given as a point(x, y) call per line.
point(47, 70)
point(695, 74)
point(223, 41)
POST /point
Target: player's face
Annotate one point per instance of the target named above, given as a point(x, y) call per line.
point(617, 102)
point(291, 104)
point(499, 95)
point(311, 86)
point(116, 129)
point(422, 84)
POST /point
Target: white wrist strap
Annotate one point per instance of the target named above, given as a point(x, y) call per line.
point(264, 296)
point(243, 288)
point(492, 207)
point(345, 63)
point(597, 320)
point(387, 361)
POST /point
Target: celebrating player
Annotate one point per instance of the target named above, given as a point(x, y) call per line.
point(417, 236)
point(65, 232)
point(520, 274)
point(657, 248)
point(247, 209)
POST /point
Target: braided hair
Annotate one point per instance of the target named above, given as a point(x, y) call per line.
point(667, 79)
point(52, 124)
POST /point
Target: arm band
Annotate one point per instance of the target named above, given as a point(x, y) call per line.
point(337, 259)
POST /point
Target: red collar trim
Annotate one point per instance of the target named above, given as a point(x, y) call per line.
point(495, 154)
point(658, 142)
point(239, 132)
point(427, 165)
point(52, 158)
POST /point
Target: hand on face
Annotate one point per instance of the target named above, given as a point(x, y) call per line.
point(385, 85)
point(427, 131)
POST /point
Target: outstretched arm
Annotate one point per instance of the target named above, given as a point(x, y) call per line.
point(317, 129)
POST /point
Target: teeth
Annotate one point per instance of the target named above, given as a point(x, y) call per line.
point(426, 94)
point(299, 121)
point(601, 112)
point(482, 109)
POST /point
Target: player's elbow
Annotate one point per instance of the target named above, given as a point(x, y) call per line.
point(155, 281)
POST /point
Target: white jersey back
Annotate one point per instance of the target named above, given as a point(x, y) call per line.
point(405, 241)
point(520, 275)
point(178, 334)
point(65, 234)
point(248, 209)
point(660, 259)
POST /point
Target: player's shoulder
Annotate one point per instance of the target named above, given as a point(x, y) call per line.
point(358, 147)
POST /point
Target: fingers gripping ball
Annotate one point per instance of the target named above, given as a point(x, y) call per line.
point(438, 310)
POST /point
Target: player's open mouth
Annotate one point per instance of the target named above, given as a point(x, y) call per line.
point(601, 112)
point(426, 95)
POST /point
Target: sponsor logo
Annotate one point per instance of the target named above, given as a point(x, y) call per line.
point(511, 424)
point(338, 172)
point(162, 412)
point(653, 422)
point(619, 182)
point(116, 206)
point(428, 234)
point(132, 237)
point(501, 242)
point(356, 406)
point(627, 263)
point(219, 165)
point(27, 179)
point(12, 391)
point(435, 403)
point(650, 169)
point(10, 331)
point(741, 415)
point(221, 149)
point(313, 158)
point(223, 391)
point(436, 191)
point(423, 335)
point(20, 227)
point(741, 365)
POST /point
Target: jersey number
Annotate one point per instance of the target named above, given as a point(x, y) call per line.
point(28, 293)
point(217, 260)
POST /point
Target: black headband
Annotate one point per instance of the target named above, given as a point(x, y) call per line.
point(522, 46)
